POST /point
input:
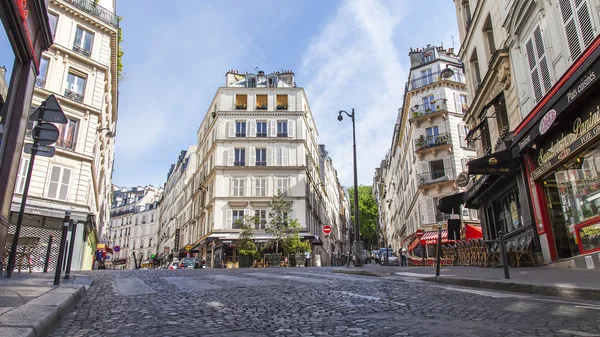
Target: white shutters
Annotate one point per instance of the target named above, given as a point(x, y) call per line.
point(270, 156)
point(538, 64)
point(272, 128)
point(252, 156)
point(20, 184)
point(229, 217)
point(252, 128)
point(427, 211)
point(463, 164)
point(577, 21)
point(449, 167)
point(231, 154)
point(231, 125)
point(284, 156)
point(291, 128)
point(260, 186)
point(59, 183)
point(457, 104)
point(462, 135)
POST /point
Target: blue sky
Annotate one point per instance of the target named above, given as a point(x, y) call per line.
point(346, 54)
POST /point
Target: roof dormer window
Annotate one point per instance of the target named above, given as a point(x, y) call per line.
point(251, 81)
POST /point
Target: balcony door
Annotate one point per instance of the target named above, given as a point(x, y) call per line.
point(432, 133)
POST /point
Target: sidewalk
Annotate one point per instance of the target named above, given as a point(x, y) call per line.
point(559, 282)
point(31, 305)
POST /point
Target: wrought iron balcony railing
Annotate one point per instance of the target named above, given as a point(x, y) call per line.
point(80, 50)
point(239, 163)
point(436, 176)
point(90, 7)
point(282, 134)
point(65, 144)
point(432, 141)
point(40, 82)
point(435, 77)
point(434, 107)
point(261, 163)
point(72, 95)
point(240, 134)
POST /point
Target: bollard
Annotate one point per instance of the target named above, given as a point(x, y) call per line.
point(71, 245)
point(439, 252)
point(504, 257)
point(48, 251)
point(135, 261)
point(61, 252)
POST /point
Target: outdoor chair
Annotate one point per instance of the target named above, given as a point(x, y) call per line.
point(25, 246)
point(494, 254)
point(526, 251)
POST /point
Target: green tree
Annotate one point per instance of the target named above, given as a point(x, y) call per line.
point(245, 245)
point(279, 223)
point(367, 214)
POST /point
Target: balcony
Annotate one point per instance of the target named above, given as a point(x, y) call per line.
point(239, 163)
point(437, 178)
point(261, 163)
point(435, 77)
point(282, 106)
point(428, 112)
point(82, 51)
point(240, 134)
point(282, 134)
point(433, 143)
point(90, 7)
point(40, 82)
point(72, 95)
point(65, 144)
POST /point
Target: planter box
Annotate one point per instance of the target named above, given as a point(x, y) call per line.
point(273, 260)
point(246, 261)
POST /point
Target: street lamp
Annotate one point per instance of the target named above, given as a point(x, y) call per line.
point(358, 249)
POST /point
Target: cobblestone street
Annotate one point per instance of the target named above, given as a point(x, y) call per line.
point(310, 302)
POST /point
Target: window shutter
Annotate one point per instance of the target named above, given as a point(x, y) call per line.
point(449, 167)
point(430, 211)
point(229, 218)
point(53, 185)
point(231, 153)
point(246, 213)
point(269, 186)
point(248, 187)
point(22, 175)
point(289, 187)
point(252, 127)
point(441, 128)
point(542, 60)
point(231, 128)
point(462, 135)
point(252, 156)
point(291, 128)
point(463, 163)
point(270, 156)
point(273, 128)
point(423, 211)
point(579, 29)
point(586, 27)
point(284, 156)
point(64, 184)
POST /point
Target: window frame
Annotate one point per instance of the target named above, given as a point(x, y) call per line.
point(262, 134)
point(239, 156)
point(240, 129)
point(263, 156)
point(260, 191)
point(80, 48)
point(238, 186)
point(280, 126)
point(59, 183)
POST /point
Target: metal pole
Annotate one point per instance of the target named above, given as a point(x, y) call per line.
point(504, 257)
point(357, 244)
point(439, 252)
point(422, 254)
point(61, 252)
point(71, 245)
point(387, 252)
point(134, 261)
point(48, 251)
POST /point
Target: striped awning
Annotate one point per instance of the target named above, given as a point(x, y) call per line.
point(432, 236)
point(414, 244)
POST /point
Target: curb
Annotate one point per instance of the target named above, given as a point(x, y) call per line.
point(523, 288)
point(42, 313)
point(358, 272)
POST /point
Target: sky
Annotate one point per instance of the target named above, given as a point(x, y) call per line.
point(345, 54)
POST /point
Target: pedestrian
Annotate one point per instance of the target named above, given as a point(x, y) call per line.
point(403, 258)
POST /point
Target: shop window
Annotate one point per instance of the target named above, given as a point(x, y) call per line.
point(507, 212)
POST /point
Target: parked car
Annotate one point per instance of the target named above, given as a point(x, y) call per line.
point(374, 255)
point(392, 259)
point(174, 265)
point(188, 263)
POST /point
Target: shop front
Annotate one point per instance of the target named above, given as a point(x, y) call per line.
point(560, 142)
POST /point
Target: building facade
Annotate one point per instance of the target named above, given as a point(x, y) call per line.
point(133, 226)
point(80, 69)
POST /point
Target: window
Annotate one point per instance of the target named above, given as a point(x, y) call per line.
point(282, 129)
point(241, 102)
point(281, 156)
point(59, 183)
point(272, 82)
point(463, 130)
point(53, 20)
point(538, 64)
point(150, 242)
point(578, 25)
point(282, 102)
point(21, 175)
point(436, 168)
point(467, 14)
point(144, 218)
point(237, 218)
point(501, 117)
point(151, 217)
point(83, 42)
point(261, 157)
point(68, 134)
point(136, 220)
point(428, 56)
point(75, 87)
point(40, 80)
point(432, 135)
point(240, 129)
point(282, 185)
point(251, 81)
point(260, 218)
point(261, 129)
point(463, 103)
point(240, 157)
point(261, 102)
point(488, 32)
point(426, 77)
point(475, 72)
point(428, 104)
point(260, 187)
point(239, 185)
point(486, 140)
point(507, 212)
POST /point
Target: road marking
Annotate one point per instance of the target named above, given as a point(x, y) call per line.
point(577, 333)
point(367, 297)
point(493, 294)
point(132, 286)
point(215, 304)
point(587, 307)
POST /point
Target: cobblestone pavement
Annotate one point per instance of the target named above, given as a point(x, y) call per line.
point(310, 302)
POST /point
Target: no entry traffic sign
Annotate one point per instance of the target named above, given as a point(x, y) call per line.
point(326, 229)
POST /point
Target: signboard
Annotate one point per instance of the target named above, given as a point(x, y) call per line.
point(116, 249)
point(581, 127)
point(176, 245)
point(188, 248)
point(462, 180)
point(420, 233)
point(326, 229)
point(42, 150)
point(497, 164)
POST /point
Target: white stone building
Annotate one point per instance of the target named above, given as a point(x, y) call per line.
point(133, 226)
point(428, 149)
point(80, 69)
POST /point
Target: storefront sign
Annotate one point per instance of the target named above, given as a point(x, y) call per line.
point(547, 121)
point(176, 245)
point(462, 180)
point(585, 127)
point(499, 163)
point(24, 13)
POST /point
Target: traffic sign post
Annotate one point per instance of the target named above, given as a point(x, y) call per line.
point(420, 234)
point(116, 249)
point(326, 229)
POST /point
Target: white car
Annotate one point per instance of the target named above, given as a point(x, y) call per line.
point(174, 265)
point(392, 259)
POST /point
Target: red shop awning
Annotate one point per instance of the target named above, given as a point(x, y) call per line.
point(414, 244)
point(473, 232)
point(431, 237)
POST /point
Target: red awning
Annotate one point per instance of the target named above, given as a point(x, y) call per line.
point(473, 232)
point(414, 244)
point(431, 237)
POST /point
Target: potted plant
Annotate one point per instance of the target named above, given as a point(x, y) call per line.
point(428, 110)
point(415, 114)
point(262, 106)
point(240, 105)
point(281, 106)
point(420, 142)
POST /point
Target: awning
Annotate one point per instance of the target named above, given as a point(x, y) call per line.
point(432, 236)
point(500, 164)
point(471, 133)
point(414, 244)
point(483, 123)
point(451, 204)
point(104, 247)
point(258, 236)
point(473, 232)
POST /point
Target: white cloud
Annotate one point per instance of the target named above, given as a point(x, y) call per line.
point(353, 63)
